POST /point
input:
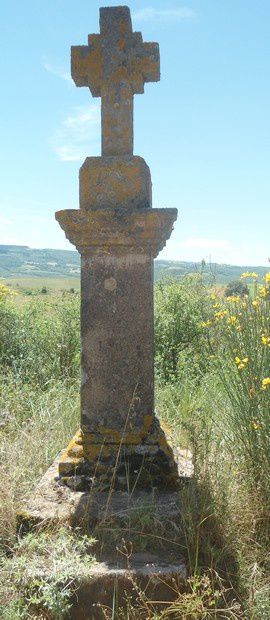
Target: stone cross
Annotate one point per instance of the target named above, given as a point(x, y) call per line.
point(118, 234)
point(115, 65)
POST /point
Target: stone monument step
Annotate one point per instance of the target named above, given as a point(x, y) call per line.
point(139, 543)
point(143, 577)
point(54, 503)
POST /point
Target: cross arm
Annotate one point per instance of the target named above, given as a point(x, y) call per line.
point(151, 63)
point(86, 64)
point(145, 64)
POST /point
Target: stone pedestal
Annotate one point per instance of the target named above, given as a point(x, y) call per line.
point(118, 235)
point(149, 524)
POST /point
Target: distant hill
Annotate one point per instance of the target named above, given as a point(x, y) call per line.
point(20, 261)
point(219, 273)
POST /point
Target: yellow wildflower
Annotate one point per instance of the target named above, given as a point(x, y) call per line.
point(206, 323)
point(255, 303)
point(4, 292)
point(265, 383)
point(262, 291)
point(241, 363)
point(233, 298)
point(249, 274)
point(255, 425)
point(267, 277)
point(219, 315)
point(232, 320)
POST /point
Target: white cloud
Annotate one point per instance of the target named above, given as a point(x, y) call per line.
point(201, 243)
point(79, 134)
point(150, 13)
point(58, 72)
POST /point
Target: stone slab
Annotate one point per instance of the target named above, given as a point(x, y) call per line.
point(57, 504)
point(157, 578)
point(116, 585)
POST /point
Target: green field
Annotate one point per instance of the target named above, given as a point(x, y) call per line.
point(36, 284)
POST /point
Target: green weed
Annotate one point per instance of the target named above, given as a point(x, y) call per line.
point(44, 573)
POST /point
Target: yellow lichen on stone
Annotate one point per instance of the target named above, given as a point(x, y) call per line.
point(136, 231)
point(115, 182)
point(165, 439)
point(118, 437)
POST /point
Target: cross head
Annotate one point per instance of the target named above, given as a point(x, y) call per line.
point(115, 65)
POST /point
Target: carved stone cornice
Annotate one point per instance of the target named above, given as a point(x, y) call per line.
point(117, 231)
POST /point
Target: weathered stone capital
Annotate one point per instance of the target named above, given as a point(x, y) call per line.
point(116, 230)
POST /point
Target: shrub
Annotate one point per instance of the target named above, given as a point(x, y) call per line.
point(5, 292)
point(179, 343)
point(236, 287)
point(45, 573)
point(39, 342)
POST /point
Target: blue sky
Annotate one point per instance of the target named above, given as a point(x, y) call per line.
point(204, 129)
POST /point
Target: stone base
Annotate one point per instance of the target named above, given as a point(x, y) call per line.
point(57, 504)
point(126, 465)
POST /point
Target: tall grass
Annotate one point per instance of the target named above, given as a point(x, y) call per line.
point(39, 342)
point(211, 391)
point(35, 426)
point(224, 518)
point(223, 414)
point(239, 341)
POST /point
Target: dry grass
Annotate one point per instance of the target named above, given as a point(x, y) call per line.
point(35, 425)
